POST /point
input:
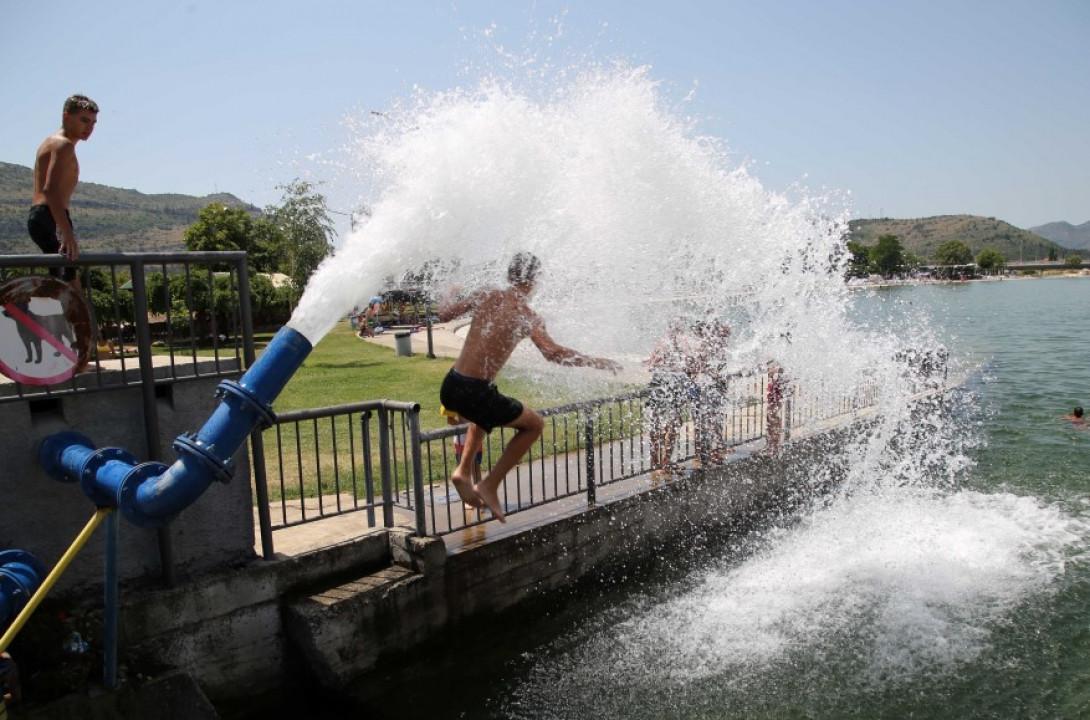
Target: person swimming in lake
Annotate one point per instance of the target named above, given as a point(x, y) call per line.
point(502, 318)
point(1076, 417)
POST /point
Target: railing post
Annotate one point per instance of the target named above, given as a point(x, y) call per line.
point(384, 467)
point(418, 471)
point(588, 441)
point(431, 347)
point(257, 438)
point(368, 469)
point(151, 409)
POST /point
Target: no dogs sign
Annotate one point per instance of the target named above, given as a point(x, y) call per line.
point(45, 331)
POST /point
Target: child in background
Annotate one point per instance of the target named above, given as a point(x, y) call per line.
point(454, 418)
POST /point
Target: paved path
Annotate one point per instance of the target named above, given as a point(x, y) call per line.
point(447, 338)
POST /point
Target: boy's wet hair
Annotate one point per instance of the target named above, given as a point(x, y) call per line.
point(80, 102)
point(523, 268)
point(1078, 411)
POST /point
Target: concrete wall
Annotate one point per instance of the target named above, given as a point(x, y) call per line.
point(345, 631)
point(227, 630)
point(42, 516)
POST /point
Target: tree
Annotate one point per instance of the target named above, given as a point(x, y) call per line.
point(220, 228)
point(271, 305)
point(953, 252)
point(1052, 254)
point(267, 246)
point(888, 256)
point(990, 260)
point(859, 263)
point(1073, 260)
point(306, 232)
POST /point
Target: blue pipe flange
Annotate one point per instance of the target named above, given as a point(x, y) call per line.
point(20, 576)
point(103, 490)
point(190, 444)
point(265, 414)
point(51, 449)
point(126, 494)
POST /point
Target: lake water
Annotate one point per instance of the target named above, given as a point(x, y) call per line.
point(969, 601)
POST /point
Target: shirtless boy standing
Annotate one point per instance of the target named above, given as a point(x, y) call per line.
point(56, 172)
point(502, 318)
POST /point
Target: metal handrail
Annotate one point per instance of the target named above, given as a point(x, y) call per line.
point(122, 258)
point(322, 412)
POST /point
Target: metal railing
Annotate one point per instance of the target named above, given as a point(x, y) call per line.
point(337, 460)
point(156, 318)
point(373, 457)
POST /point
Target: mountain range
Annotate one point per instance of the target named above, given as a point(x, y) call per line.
point(107, 219)
point(1076, 237)
point(110, 219)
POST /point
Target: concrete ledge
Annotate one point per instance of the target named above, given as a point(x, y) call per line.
point(342, 631)
point(227, 632)
point(424, 554)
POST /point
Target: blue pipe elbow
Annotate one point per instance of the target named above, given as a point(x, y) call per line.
point(20, 576)
point(150, 494)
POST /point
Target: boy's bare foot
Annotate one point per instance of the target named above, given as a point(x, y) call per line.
point(466, 491)
point(492, 500)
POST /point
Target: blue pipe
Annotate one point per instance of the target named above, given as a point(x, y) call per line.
point(150, 494)
point(20, 576)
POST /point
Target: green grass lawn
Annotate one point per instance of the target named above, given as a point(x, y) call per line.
point(345, 369)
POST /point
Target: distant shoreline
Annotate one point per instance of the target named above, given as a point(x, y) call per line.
point(915, 282)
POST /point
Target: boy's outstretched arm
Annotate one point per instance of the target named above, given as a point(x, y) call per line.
point(455, 306)
point(557, 353)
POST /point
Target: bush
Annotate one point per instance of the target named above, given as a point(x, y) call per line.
point(271, 305)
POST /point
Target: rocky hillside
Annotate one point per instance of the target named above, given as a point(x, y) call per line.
point(923, 235)
point(107, 219)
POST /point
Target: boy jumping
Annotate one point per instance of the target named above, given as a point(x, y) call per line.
point(502, 318)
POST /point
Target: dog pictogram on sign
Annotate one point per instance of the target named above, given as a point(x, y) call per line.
point(45, 331)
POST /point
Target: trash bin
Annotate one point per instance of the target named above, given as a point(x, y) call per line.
point(404, 343)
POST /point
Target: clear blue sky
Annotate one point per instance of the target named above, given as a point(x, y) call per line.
point(918, 108)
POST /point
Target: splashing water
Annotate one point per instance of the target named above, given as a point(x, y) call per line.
point(908, 581)
point(636, 217)
point(639, 221)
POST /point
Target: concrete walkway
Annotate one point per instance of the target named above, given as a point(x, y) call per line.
point(447, 338)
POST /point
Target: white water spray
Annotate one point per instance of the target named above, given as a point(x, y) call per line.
point(640, 220)
point(636, 217)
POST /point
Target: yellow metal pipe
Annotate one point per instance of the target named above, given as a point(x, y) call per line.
point(54, 575)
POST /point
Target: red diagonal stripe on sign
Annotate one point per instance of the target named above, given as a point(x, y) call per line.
point(20, 316)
